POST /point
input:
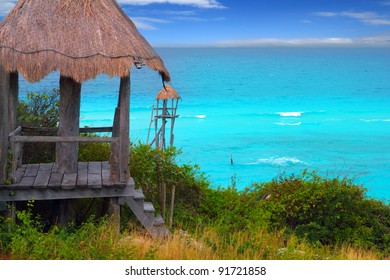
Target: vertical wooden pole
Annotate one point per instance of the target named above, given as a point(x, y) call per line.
point(4, 124)
point(172, 206)
point(120, 152)
point(69, 125)
point(124, 130)
point(16, 148)
point(13, 100)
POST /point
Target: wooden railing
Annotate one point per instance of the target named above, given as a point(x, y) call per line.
point(16, 138)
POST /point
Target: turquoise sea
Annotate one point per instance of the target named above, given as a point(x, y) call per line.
point(273, 110)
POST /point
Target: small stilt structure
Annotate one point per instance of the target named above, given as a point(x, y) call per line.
point(167, 101)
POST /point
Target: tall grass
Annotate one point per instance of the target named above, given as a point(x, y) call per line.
point(99, 241)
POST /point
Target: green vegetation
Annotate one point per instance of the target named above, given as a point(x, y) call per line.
point(39, 110)
point(303, 216)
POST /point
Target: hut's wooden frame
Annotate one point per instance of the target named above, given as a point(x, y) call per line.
point(108, 43)
point(12, 139)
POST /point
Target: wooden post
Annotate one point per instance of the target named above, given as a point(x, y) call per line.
point(124, 129)
point(4, 129)
point(13, 101)
point(16, 148)
point(69, 125)
point(114, 213)
point(120, 152)
point(172, 206)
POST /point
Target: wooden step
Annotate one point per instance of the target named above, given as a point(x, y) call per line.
point(148, 207)
point(158, 221)
point(139, 195)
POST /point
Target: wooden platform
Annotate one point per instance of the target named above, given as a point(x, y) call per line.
point(41, 181)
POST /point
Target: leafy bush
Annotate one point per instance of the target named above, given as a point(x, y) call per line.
point(325, 210)
point(148, 166)
point(92, 240)
point(93, 151)
point(39, 110)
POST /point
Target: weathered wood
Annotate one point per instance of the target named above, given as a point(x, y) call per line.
point(32, 170)
point(55, 194)
point(124, 120)
point(13, 100)
point(42, 179)
point(114, 148)
point(94, 167)
point(55, 180)
point(82, 178)
point(106, 178)
point(18, 174)
point(4, 123)
point(69, 181)
point(16, 132)
point(94, 181)
point(45, 166)
point(82, 175)
point(26, 182)
point(54, 129)
point(82, 166)
point(95, 174)
point(114, 213)
point(59, 139)
point(172, 206)
point(67, 153)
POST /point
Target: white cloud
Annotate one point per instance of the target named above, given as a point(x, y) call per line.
point(369, 18)
point(196, 3)
point(146, 23)
point(326, 14)
point(6, 6)
point(374, 41)
point(271, 42)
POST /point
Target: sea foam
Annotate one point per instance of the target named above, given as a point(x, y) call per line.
point(278, 161)
point(290, 114)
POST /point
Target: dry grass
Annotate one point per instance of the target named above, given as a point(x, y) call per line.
point(208, 245)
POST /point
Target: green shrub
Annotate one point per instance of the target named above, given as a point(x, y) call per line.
point(93, 151)
point(325, 210)
point(149, 165)
point(96, 240)
point(39, 110)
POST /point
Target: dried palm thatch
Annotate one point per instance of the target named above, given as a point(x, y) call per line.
point(80, 38)
point(167, 92)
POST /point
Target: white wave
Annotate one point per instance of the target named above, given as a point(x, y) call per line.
point(289, 123)
point(278, 161)
point(200, 116)
point(290, 114)
point(375, 120)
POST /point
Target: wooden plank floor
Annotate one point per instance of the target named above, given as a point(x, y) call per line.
point(92, 175)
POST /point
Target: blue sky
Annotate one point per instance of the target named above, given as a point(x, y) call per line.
point(257, 22)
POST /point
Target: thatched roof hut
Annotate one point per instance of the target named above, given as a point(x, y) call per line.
point(79, 38)
point(167, 92)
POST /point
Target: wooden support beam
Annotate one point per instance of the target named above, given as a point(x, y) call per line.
point(4, 123)
point(120, 153)
point(13, 100)
point(58, 194)
point(67, 153)
point(62, 139)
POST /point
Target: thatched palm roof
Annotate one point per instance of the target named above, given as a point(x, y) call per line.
point(167, 92)
point(80, 38)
